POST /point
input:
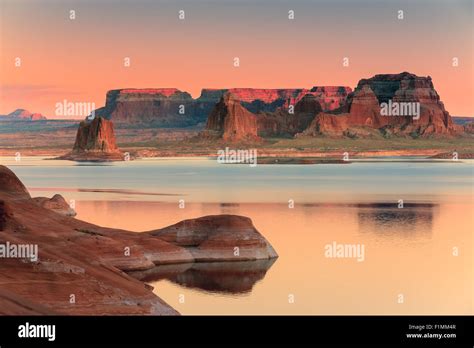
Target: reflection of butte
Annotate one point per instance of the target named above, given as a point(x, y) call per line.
point(223, 277)
point(388, 219)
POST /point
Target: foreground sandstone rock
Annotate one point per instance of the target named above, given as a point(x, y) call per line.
point(95, 141)
point(86, 262)
point(218, 237)
point(9, 184)
point(57, 203)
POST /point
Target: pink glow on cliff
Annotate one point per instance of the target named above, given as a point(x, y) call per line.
point(164, 91)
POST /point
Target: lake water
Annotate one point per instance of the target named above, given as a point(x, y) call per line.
point(417, 259)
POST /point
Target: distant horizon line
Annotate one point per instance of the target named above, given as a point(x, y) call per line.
point(84, 118)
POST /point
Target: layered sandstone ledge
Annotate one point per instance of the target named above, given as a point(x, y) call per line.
point(86, 262)
point(170, 107)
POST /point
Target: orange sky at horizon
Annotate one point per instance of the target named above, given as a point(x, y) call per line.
point(80, 60)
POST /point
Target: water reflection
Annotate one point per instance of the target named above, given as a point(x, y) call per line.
point(407, 251)
point(386, 219)
point(221, 277)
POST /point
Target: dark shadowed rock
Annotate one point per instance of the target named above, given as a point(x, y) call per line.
point(10, 184)
point(283, 122)
point(261, 100)
point(3, 215)
point(222, 277)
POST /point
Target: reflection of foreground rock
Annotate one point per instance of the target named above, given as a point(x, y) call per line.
point(225, 277)
point(80, 265)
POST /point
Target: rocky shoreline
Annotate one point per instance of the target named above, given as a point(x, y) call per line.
point(82, 269)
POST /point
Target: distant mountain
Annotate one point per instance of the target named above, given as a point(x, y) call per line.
point(22, 115)
point(462, 120)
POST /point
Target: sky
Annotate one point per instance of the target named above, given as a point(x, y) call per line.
point(79, 60)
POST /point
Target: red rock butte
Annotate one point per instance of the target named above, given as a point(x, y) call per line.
point(95, 141)
point(231, 121)
point(362, 109)
point(320, 111)
point(170, 107)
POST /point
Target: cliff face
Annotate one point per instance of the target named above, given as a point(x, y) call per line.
point(162, 107)
point(363, 109)
point(259, 100)
point(231, 121)
point(95, 141)
point(284, 123)
point(169, 107)
point(283, 112)
point(96, 136)
point(330, 97)
point(333, 110)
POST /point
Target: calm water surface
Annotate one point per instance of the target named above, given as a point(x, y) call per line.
point(409, 251)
